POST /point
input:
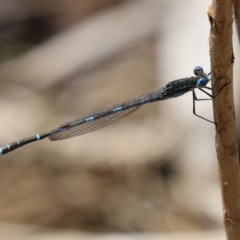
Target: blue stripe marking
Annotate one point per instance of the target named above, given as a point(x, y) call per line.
point(18, 142)
point(89, 119)
point(38, 137)
point(8, 146)
point(1, 151)
point(117, 109)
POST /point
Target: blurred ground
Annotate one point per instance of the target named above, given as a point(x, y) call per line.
point(154, 171)
point(15, 231)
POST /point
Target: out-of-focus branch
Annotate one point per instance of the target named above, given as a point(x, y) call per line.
point(221, 51)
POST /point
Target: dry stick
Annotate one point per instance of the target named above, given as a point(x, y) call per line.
point(221, 51)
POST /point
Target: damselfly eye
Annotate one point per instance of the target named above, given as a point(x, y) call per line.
point(197, 69)
point(202, 82)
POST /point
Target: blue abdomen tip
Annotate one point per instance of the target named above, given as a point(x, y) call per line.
point(1, 151)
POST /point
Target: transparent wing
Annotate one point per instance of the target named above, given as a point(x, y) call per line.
point(105, 117)
point(80, 126)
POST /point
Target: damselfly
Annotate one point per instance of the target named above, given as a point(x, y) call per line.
point(115, 113)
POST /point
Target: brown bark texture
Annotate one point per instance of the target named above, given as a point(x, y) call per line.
point(222, 59)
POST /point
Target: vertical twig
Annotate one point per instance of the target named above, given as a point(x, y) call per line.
point(221, 51)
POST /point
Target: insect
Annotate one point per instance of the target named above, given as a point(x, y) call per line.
point(115, 113)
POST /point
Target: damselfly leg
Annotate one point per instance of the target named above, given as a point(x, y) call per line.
point(203, 99)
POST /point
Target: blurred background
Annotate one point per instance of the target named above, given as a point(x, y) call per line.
point(153, 172)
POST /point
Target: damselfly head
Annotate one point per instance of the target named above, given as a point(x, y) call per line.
point(202, 82)
point(197, 70)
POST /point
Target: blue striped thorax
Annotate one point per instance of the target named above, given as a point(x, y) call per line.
point(181, 86)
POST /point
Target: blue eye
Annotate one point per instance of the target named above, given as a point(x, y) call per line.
point(197, 69)
point(202, 82)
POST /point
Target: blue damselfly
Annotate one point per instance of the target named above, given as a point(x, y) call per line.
point(115, 113)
